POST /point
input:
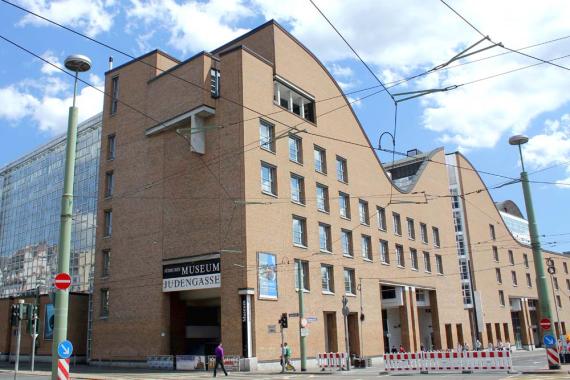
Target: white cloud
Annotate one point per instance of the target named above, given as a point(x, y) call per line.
point(341, 71)
point(91, 16)
point(52, 58)
point(192, 26)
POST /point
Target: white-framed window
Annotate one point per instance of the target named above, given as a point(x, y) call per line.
point(304, 275)
point(294, 101)
point(397, 223)
point(344, 204)
point(366, 247)
point(299, 231)
point(320, 156)
point(400, 256)
point(214, 83)
point(501, 298)
point(435, 234)
point(104, 303)
point(341, 169)
point(108, 227)
point(327, 278)
point(349, 281)
point(346, 241)
point(414, 258)
point(423, 233)
point(363, 212)
point(384, 252)
point(111, 145)
point(109, 183)
point(114, 94)
point(381, 215)
point(295, 149)
point(498, 275)
point(511, 257)
point(411, 229)
point(514, 277)
point(492, 232)
point(267, 136)
point(495, 254)
point(322, 198)
point(525, 259)
point(438, 264)
point(268, 179)
point(105, 262)
point(325, 243)
point(529, 280)
point(427, 262)
point(297, 189)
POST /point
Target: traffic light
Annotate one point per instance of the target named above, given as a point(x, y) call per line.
point(283, 321)
point(32, 315)
point(14, 314)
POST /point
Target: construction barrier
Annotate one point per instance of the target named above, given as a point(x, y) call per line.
point(437, 362)
point(332, 360)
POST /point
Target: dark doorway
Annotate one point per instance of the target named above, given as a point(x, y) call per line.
point(331, 340)
point(449, 336)
point(353, 335)
point(385, 330)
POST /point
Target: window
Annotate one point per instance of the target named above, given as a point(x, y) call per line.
point(381, 215)
point(299, 231)
point(105, 262)
point(528, 280)
point(525, 259)
point(104, 302)
point(268, 179)
point(492, 232)
point(114, 94)
point(568, 284)
point(344, 204)
point(427, 262)
point(349, 281)
point(293, 101)
point(297, 189)
point(108, 227)
point(215, 83)
point(384, 254)
point(327, 278)
point(565, 265)
point(346, 241)
point(435, 233)
point(341, 170)
point(111, 147)
point(414, 258)
point(438, 264)
point(400, 256)
point(320, 160)
point(411, 229)
point(296, 149)
point(423, 233)
point(325, 243)
point(109, 183)
point(511, 257)
point(366, 247)
point(514, 277)
point(558, 302)
point(501, 298)
point(304, 275)
point(498, 275)
point(363, 212)
point(495, 254)
point(555, 282)
point(322, 198)
point(267, 136)
point(397, 224)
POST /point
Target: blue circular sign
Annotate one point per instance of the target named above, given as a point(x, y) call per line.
point(65, 349)
point(549, 340)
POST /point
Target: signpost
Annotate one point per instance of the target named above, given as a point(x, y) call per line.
point(549, 341)
point(545, 324)
point(65, 349)
point(62, 281)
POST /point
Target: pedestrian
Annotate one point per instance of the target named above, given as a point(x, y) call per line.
point(394, 349)
point(219, 359)
point(478, 345)
point(490, 346)
point(287, 354)
point(466, 347)
point(402, 349)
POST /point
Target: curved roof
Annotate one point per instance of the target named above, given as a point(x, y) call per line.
point(509, 207)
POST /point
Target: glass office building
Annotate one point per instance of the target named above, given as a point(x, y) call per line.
point(30, 208)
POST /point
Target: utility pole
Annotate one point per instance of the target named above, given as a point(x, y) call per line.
point(302, 336)
point(76, 63)
point(541, 284)
point(555, 304)
point(345, 312)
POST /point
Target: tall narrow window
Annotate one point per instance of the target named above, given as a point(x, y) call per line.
point(501, 298)
point(215, 83)
point(397, 224)
point(325, 242)
point(363, 212)
point(268, 179)
point(492, 232)
point(322, 198)
point(109, 183)
point(384, 253)
point(514, 277)
point(568, 285)
point(320, 160)
point(400, 256)
point(366, 247)
point(411, 229)
point(511, 258)
point(438, 264)
point(498, 275)
point(565, 266)
point(495, 254)
point(327, 278)
point(114, 94)
point(346, 241)
point(529, 281)
point(105, 262)
point(111, 147)
point(559, 302)
point(344, 205)
point(427, 262)
point(297, 189)
point(555, 281)
point(108, 228)
point(304, 275)
point(381, 215)
point(349, 281)
point(104, 303)
point(299, 231)
point(296, 149)
point(341, 169)
point(525, 259)
point(266, 136)
point(414, 258)
point(435, 233)
point(423, 233)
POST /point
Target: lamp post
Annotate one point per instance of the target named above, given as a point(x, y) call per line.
point(541, 284)
point(77, 64)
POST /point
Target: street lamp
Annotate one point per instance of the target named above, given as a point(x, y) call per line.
point(78, 64)
point(543, 300)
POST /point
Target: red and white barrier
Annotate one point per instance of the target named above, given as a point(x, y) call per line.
point(404, 362)
point(63, 369)
point(489, 361)
point(332, 360)
point(553, 356)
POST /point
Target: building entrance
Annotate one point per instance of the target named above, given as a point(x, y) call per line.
point(331, 342)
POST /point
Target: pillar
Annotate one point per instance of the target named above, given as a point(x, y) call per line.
point(409, 320)
point(526, 326)
point(435, 320)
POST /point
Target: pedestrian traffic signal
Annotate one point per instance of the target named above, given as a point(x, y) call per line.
point(15, 313)
point(32, 315)
point(283, 322)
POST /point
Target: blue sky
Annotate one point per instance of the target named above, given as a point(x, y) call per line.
point(397, 39)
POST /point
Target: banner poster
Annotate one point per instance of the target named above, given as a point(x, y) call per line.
point(49, 321)
point(267, 275)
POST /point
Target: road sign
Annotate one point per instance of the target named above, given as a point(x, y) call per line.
point(303, 322)
point(545, 323)
point(293, 315)
point(549, 341)
point(345, 311)
point(551, 270)
point(304, 332)
point(65, 349)
point(62, 281)
point(311, 319)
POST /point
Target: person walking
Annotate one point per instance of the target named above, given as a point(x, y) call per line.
point(478, 345)
point(287, 352)
point(219, 359)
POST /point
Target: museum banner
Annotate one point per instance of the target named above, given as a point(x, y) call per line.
point(190, 275)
